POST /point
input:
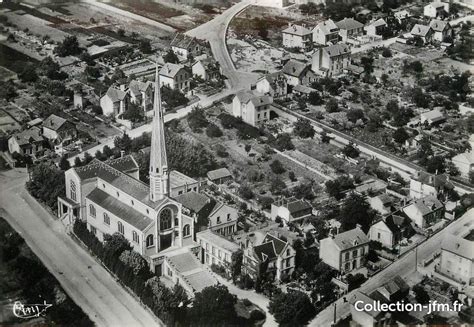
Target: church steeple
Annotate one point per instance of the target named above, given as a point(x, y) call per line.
point(159, 176)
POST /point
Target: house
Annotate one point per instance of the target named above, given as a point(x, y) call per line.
point(252, 107)
point(59, 131)
point(436, 9)
point(402, 15)
point(274, 254)
point(382, 203)
point(424, 184)
point(465, 161)
point(425, 212)
point(326, 33)
point(294, 71)
point(28, 142)
point(346, 251)
point(364, 313)
point(273, 3)
point(331, 60)
point(274, 84)
point(291, 210)
point(141, 94)
point(391, 229)
point(108, 197)
point(376, 28)
point(216, 249)
point(457, 256)
point(115, 101)
point(184, 268)
point(183, 46)
point(302, 90)
point(175, 76)
point(432, 117)
point(425, 33)
point(223, 219)
point(443, 31)
point(206, 68)
point(181, 183)
point(297, 36)
point(219, 176)
point(349, 28)
point(194, 202)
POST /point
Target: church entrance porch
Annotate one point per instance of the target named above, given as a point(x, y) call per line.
point(68, 211)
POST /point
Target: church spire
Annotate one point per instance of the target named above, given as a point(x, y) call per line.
point(159, 177)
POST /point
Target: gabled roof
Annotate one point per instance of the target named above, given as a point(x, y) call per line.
point(277, 243)
point(349, 24)
point(119, 209)
point(32, 134)
point(124, 164)
point(402, 14)
point(397, 221)
point(137, 87)
point(193, 201)
point(458, 244)
point(351, 238)
point(426, 205)
point(337, 50)
point(420, 30)
point(178, 179)
point(116, 94)
point(433, 115)
point(273, 77)
point(54, 122)
point(297, 30)
point(265, 251)
point(256, 98)
point(218, 173)
point(182, 41)
point(327, 27)
point(379, 22)
point(294, 68)
point(437, 181)
point(170, 69)
point(303, 89)
point(435, 5)
point(439, 25)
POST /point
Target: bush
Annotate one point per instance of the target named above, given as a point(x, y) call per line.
point(244, 131)
point(197, 120)
point(332, 106)
point(277, 167)
point(256, 315)
point(213, 130)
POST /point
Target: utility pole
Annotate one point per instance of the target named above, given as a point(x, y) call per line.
point(335, 306)
point(416, 258)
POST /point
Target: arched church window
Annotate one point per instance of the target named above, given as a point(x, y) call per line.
point(186, 230)
point(73, 191)
point(149, 240)
point(92, 210)
point(165, 219)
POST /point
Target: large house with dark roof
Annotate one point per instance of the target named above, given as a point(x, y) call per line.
point(391, 229)
point(28, 142)
point(59, 131)
point(109, 198)
point(297, 36)
point(425, 212)
point(346, 251)
point(426, 184)
point(141, 94)
point(115, 101)
point(175, 76)
point(272, 254)
point(442, 30)
point(252, 107)
point(349, 28)
point(291, 211)
point(183, 45)
point(331, 60)
point(295, 71)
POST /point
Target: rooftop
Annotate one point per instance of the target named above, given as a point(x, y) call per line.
point(297, 30)
point(170, 69)
point(119, 209)
point(426, 205)
point(193, 201)
point(116, 94)
point(438, 25)
point(178, 179)
point(28, 135)
point(294, 68)
point(216, 239)
point(420, 30)
point(351, 238)
point(349, 24)
point(218, 173)
point(54, 122)
point(182, 41)
point(327, 27)
point(458, 243)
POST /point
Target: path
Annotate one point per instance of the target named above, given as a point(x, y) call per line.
point(87, 283)
point(403, 267)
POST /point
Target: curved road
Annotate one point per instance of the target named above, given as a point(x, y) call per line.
point(215, 32)
point(88, 284)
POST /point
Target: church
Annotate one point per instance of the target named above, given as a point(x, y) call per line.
point(110, 198)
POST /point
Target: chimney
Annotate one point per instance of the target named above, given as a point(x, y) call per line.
point(431, 179)
point(122, 154)
point(359, 226)
point(122, 87)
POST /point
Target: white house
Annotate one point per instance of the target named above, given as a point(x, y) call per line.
point(349, 28)
point(207, 69)
point(291, 210)
point(326, 33)
point(376, 28)
point(296, 36)
point(432, 117)
point(252, 107)
point(465, 161)
point(425, 33)
point(390, 230)
point(59, 131)
point(436, 9)
point(216, 249)
point(442, 30)
point(346, 251)
point(425, 212)
point(272, 3)
point(115, 101)
point(382, 203)
point(141, 94)
point(28, 142)
point(274, 84)
point(223, 219)
point(425, 184)
point(331, 60)
point(402, 15)
point(183, 45)
point(175, 76)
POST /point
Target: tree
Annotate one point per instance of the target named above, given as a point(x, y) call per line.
point(133, 113)
point(291, 176)
point(77, 162)
point(171, 57)
point(28, 73)
point(351, 151)
point(332, 106)
point(304, 190)
point(277, 167)
point(236, 264)
point(292, 309)
point(246, 192)
point(173, 98)
point(424, 150)
point(283, 142)
point(471, 177)
point(368, 64)
point(436, 164)
point(315, 99)
point(64, 163)
point(68, 47)
point(197, 119)
point(8, 91)
point(212, 130)
point(145, 47)
point(356, 210)
point(386, 53)
point(213, 306)
point(400, 135)
point(335, 188)
point(277, 185)
point(123, 143)
point(421, 295)
point(354, 115)
point(92, 72)
point(303, 128)
point(46, 183)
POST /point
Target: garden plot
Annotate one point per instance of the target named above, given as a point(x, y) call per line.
point(257, 56)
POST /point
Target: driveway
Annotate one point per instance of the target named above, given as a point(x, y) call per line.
point(88, 284)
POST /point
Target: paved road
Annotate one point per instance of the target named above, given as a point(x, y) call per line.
point(402, 267)
point(215, 32)
point(84, 280)
point(137, 132)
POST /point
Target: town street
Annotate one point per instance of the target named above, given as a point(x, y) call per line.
point(403, 267)
point(88, 284)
